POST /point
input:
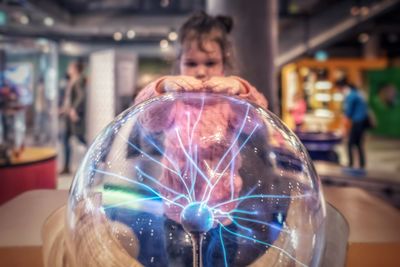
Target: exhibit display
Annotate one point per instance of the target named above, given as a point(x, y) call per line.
point(312, 105)
point(384, 100)
point(196, 179)
point(28, 96)
point(28, 115)
point(313, 82)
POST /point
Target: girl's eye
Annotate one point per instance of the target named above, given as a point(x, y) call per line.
point(190, 64)
point(211, 63)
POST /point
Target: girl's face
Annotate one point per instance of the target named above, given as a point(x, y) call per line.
point(202, 63)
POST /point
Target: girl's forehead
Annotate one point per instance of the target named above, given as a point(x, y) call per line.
point(208, 47)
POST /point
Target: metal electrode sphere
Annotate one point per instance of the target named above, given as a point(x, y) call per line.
point(197, 218)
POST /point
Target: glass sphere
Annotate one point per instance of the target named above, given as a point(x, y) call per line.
point(196, 179)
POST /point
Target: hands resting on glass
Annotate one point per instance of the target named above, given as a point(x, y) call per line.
point(217, 84)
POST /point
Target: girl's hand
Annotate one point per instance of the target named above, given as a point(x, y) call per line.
point(225, 85)
point(73, 115)
point(180, 84)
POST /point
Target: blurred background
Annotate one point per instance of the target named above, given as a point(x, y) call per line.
point(291, 50)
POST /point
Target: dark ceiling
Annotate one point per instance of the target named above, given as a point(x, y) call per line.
point(385, 28)
point(299, 21)
point(132, 7)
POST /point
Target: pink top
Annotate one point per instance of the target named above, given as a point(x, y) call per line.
point(200, 133)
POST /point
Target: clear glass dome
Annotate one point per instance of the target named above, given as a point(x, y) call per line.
point(196, 179)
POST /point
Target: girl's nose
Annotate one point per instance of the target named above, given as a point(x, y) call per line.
point(201, 73)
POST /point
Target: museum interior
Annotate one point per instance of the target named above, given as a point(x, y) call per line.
point(288, 155)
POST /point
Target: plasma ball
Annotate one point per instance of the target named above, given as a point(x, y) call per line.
point(197, 218)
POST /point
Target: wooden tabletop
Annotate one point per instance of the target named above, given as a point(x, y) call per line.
point(371, 220)
point(31, 155)
point(22, 218)
point(374, 226)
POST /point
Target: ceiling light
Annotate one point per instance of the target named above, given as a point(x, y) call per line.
point(164, 3)
point(321, 55)
point(117, 36)
point(48, 21)
point(71, 48)
point(131, 34)
point(172, 36)
point(363, 38)
point(23, 19)
point(364, 11)
point(293, 8)
point(355, 11)
point(164, 44)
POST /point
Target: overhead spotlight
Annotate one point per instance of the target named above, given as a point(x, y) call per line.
point(48, 21)
point(23, 19)
point(42, 41)
point(131, 34)
point(321, 55)
point(364, 11)
point(71, 48)
point(172, 36)
point(363, 38)
point(355, 11)
point(293, 8)
point(164, 44)
point(164, 3)
point(117, 36)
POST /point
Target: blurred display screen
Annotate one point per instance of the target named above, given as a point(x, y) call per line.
point(20, 77)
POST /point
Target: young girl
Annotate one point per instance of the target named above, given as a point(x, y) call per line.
point(204, 59)
point(208, 128)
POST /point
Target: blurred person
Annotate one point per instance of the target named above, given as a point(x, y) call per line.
point(42, 116)
point(73, 110)
point(13, 128)
point(298, 110)
point(356, 112)
point(387, 94)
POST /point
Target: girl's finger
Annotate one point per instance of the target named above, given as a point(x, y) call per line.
point(178, 85)
point(213, 86)
point(186, 85)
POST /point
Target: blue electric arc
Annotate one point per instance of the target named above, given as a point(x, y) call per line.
point(198, 215)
